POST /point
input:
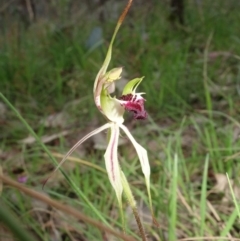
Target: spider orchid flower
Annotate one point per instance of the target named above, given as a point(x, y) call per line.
point(113, 110)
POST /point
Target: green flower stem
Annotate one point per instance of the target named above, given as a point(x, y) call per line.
point(132, 202)
point(14, 224)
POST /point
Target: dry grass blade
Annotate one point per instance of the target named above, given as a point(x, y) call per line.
point(209, 238)
point(83, 162)
point(64, 208)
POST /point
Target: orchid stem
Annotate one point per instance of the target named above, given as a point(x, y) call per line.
point(132, 202)
point(139, 223)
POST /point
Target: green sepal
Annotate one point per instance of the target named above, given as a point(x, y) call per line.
point(131, 86)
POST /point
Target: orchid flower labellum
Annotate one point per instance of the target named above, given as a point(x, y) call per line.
point(113, 110)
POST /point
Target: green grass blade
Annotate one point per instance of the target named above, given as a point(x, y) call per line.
point(233, 196)
point(173, 201)
point(203, 201)
point(229, 224)
point(73, 185)
point(8, 219)
point(205, 76)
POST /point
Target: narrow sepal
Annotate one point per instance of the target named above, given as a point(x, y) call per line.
point(131, 86)
point(98, 130)
point(99, 80)
point(142, 153)
point(111, 162)
point(143, 157)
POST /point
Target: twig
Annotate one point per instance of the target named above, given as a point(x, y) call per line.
point(30, 10)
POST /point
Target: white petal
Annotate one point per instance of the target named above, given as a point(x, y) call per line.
point(143, 157)
point(142, 153)
point(111, 161)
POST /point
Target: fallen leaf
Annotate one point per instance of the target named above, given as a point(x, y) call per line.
point(215, 54)
point(222, 186)
point(56, 120)
point(45, 139)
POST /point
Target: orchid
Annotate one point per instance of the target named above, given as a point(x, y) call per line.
point(113, 109)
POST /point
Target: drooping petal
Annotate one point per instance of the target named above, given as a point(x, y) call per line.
point(98, 130)
point(111, 161)
point(143, 157)
point(142, 153)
